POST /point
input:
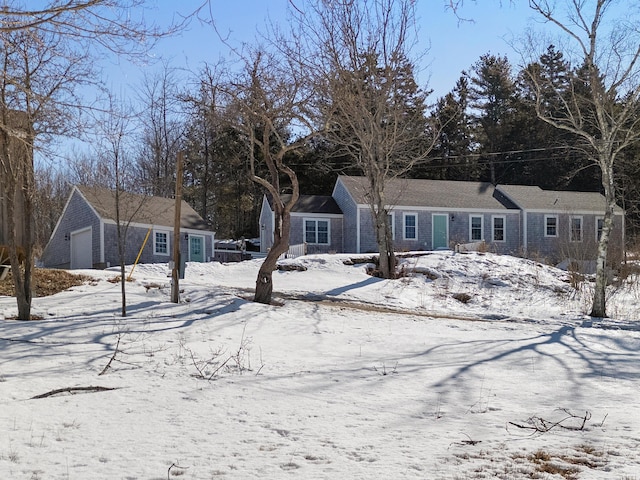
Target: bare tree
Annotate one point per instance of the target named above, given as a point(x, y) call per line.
point(46, 57)
point(271, 100)
point(603, 106)
point(115, 131)
point(217, 183)
point(162, 131)
point(360, 55)
point(52, 189)
point(118, 26)
point(35, 102)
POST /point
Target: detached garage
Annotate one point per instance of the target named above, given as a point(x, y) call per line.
point(86, 235)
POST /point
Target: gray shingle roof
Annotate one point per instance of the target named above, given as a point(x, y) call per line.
point(313, 204)
point(142, 209)
point(430, 193)
point(535, 198)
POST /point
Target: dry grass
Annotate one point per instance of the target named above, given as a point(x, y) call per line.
point(46, 282)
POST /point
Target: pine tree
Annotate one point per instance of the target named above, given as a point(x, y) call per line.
point(491, 95)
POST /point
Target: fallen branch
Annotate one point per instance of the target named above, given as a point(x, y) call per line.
point(470, 441)
point(540, 425)
point(113, 357)
point(72, 391)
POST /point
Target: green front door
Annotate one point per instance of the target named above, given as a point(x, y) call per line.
point(196, 248)
point(440, 231)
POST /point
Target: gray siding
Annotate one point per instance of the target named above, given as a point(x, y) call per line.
point(335, 229)
point(77, 215)
point(458, 224)
point(349, 223)
point(555, 249)
point(135, 238)
point(368, 243)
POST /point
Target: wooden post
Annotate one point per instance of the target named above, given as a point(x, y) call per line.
point(175, 288)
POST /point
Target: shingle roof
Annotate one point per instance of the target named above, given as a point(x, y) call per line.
point(535, 198)
point(430, 193)
point(142, 209)
point(313, 204)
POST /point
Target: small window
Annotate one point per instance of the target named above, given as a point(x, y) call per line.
point(575, 231)
point(599, 227)
point(498, 229)
point(161, 243)
point(550, 225)
point(475, 228)
point(410, 226)
point(316, 231)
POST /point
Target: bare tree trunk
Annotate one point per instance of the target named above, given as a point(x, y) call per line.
point(386, 261)
point(264, 281)
point(21, 278)
point(605, 113)
point(598, 308)
point(16, 160)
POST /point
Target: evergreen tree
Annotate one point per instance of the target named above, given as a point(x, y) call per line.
point(491, 94)
point(217, 182)
point(451, 157)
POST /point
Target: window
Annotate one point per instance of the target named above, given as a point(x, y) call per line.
point(410, 226)
point(599, 227)
point(161, 243)
point(475, 228)
point(575, 230)
point(498, 228)
point(550, 225)
point(316, 231)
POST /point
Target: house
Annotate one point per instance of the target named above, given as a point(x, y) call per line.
point(316, 220)
point(560, 224)
point(86, 233)
point(439, 214)
point(429, 215)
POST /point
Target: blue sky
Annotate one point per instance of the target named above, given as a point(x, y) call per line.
point(454, 45)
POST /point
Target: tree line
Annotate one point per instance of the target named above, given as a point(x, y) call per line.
point(485, 129)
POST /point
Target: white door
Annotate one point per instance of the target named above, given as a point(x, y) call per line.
point(81, 246)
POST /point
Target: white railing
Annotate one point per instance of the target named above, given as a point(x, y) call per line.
point(295, 251)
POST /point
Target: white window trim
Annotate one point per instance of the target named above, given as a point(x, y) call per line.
point(504, 228)
point(599, 217)
point(404, 225)
point(571, 219)
point(155, 250)
point(316, 220)
point(545, 226)
point(471, 217)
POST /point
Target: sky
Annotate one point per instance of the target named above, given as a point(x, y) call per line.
point(451, 44)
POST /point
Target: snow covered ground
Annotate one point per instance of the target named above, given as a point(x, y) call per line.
point(477, 366)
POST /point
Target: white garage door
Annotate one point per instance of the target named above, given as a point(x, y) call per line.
point(81, 249)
